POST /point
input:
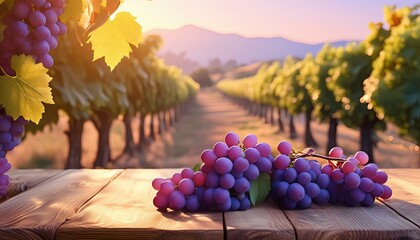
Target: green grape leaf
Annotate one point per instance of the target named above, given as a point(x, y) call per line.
point(23, 94)
point(73, 10)
point(260, 189)
point(112, 40)
point(196, 167)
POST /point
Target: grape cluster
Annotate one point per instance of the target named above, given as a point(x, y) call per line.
point(11, 132)
point(354, 182)
point(223, 182)
point(32, 28)
point(299, 182)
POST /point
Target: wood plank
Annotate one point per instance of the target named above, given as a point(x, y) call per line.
point(405, 185)
point(24, 179)
point(342, 222)
point(39, 211)
point(124, 210)
point(262, 222)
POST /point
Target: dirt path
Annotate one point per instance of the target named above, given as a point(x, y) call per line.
point(213, 116)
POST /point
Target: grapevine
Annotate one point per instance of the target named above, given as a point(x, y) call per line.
point(235, 176)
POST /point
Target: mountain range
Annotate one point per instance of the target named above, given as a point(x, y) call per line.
point(191, 47)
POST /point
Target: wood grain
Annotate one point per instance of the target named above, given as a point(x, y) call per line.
point(23, 179)
point(262, 222)
point(405, 184)
point(124, 210)
point(39, 211)
point(342, 222)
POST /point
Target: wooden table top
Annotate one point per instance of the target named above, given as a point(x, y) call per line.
point(117, 204)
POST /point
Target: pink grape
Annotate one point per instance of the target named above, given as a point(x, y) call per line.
point(186, 186)
point(199, 178)
point(370, 170)
point(177, 200)
point(387, 192)
point(208, 157)
point(220, 149)
point(250, 140)
point(381, 177)
point(234, 152)
point(187, 173)
point(176, 178)
point(284, 147)
point(156, 183)
point(252, 154)
point(348, 167)
point(232, 139)
point(161, 201)
point(282, 161)
point(362, 157)
point(264, 149)
point(336, 152)
point(167, 187)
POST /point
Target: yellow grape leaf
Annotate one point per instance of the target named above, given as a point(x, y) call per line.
point(112, 40)
point(73, 10)
point(23, 94)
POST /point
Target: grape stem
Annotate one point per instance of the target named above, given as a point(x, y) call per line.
point(318, 156)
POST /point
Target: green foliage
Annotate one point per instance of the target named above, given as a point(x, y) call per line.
point(259, 189)
point(394, 86)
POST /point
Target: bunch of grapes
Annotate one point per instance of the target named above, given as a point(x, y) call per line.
point(11, 132)
point(223, 182)
point(32, 28)
point(299, 181)
point(354, 182)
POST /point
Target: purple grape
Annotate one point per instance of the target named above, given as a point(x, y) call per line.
point(264, 164)
point(234, 204)
point(225, 206)
point(278, 175)
point(387, 192)
point(323, 197)
point(221, 195)
point(223, 165)
point(36, 18)
point(208, 157)
point(282, 161)
point(40, 48)
point(337, 176)
point(240, 165)
point(187, 173)
point(177, 200)
point(323, 180)
point(314, 165)
point(209, 196)
point(352, 180)
point(288, 203)
point(37, 3)
point(295, 192)
point(381, 177)
point(370, 170)
point(234, 152)
point(167, 187)
point(264, 149)
point(42, 33)
point(241, 185)
point(284, 147)
point(20, 29)
point(281, 188)
point(327, 169)
point(378, 190)
point(312, 189)
point(63, 28)
point(220, 149)
point(54, 29)
point(227, 181)
point(5, 124)
point(250, 140)
point(192, 204)
point(301, 165)
point(252, 172)
point(305, 202)
point(232, 139)
point(366, 184)
point(304, 178)
point(368, 200)
point(50, 16)
point(290, 175)
point(5, 137)
point(21, 10)
point(356, 195)
point(16, 129)
point(252, 154)
point(212, 180)
point(186, 186)
point(46, 60)
point(245, 204)
point(52, 42)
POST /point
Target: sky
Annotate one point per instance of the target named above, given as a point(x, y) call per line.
point(309, 21)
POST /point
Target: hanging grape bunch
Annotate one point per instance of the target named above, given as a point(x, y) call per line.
point(233, 175)
point(32, 28)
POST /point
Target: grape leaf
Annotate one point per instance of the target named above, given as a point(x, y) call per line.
point(259, 189)
point(23, 94)
point(73, 10)
point(112, 40)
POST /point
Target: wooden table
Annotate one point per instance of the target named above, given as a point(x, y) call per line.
point(117, 204)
